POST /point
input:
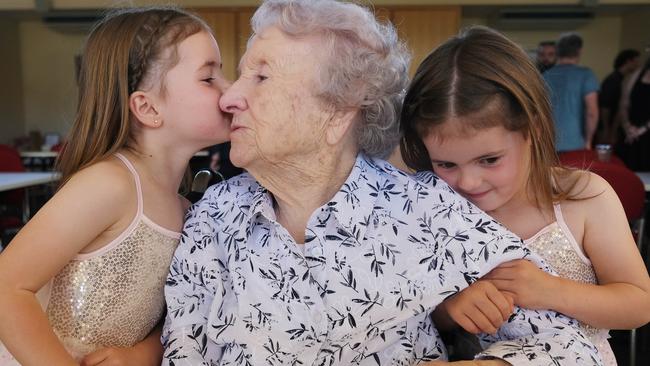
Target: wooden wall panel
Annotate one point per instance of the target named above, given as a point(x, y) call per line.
point(223, 25)
point(244, 31)
point(424, 29)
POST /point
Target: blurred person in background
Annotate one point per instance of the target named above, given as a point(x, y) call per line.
point(626, 62)
point(546, 55)
point(573, 91)
point(635, 119)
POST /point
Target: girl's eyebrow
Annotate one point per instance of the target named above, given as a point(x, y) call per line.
point(439, 161)
point(491, 154)
point(211, 64)
point(482, 156)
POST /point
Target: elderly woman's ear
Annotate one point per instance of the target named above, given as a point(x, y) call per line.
point(338, 126)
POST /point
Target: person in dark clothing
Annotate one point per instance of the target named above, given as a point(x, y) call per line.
point(635, 117)
point(626, 62)
point(220, 161)
point(546, 55)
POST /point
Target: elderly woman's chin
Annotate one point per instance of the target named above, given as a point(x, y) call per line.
point(242, 155)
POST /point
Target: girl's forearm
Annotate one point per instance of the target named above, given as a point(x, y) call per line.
point(150, 348)
point(25, 331)
point(610, 306)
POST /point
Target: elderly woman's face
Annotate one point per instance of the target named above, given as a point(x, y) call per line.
point(276, 116)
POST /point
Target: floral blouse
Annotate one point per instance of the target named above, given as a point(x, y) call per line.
point(377, 259)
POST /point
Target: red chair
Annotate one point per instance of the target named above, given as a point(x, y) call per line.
point(630, 190)
point(627, 185)
point(11, 202)
point(58, 147)
point(582, 158)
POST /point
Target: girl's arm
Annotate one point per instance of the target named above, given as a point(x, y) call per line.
point(84, 211)
point(622, 298)
point(147, 352)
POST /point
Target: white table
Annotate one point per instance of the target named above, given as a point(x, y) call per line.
point(9, 181)
point(39, 154)
point(645, 177)
point(54, 154)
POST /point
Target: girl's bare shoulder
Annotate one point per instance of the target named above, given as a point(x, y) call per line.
point(582, 185)
point(107, 181)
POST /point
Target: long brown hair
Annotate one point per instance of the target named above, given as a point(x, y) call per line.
point(126, 51)
point(467, 76)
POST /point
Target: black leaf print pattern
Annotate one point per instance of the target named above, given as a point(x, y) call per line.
point(377, 259)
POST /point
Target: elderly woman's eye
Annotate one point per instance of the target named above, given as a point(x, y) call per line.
point(261, 78)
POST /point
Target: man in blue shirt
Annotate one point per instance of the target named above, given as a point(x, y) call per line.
point(574, 96)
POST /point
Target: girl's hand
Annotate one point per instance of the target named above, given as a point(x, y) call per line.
point(114, 356)
point(530, 286)
point(480, 308)
point(632, 133)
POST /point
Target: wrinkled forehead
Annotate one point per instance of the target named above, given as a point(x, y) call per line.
point(283, 52)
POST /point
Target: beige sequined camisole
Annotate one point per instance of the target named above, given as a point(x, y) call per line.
point(559, 248)
point(113, 296)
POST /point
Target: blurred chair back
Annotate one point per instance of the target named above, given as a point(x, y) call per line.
point(631, 191)
point(58, 147)
point(10, 162)
point(627, 185)
point(581, 159)
point(202, 180)
point(11, 202)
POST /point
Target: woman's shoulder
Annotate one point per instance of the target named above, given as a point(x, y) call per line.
point(424, 190)
point(240, 189)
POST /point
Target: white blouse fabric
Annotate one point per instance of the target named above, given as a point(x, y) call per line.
point(377, 260)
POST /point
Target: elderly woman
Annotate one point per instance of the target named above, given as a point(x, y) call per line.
point(324, 254)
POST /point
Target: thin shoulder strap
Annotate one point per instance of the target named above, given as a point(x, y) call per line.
point(136, 178)
point(138, 216)
point(567, 232)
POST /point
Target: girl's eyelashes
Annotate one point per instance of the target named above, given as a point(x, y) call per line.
point(490, 160)
point(444, 164)
point(208, 80)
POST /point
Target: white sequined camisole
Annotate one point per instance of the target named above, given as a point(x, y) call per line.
point(559, 248)
point(114, 295)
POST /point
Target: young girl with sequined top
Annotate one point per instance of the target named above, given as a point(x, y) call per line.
point(83, 281)
point(477, 114)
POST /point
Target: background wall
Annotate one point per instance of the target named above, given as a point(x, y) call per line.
point(12, 120)
point(37, 67)
point(48, 79)
point(602, 40)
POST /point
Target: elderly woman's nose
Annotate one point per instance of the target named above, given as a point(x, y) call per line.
point(232, 100)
